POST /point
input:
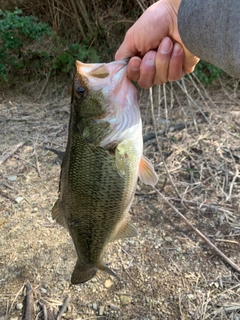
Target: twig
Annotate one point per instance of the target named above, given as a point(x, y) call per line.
point(11, 152)
point(44, 86)
point(64, 307)
point(234, 178)
point(193, 102)
point(15, 299)
point(78, 20)
point(3, 193)
point(36, 158)
point(173, 128)
point(213, 247)
point(82, 9)
point(125, 269)
point(142, 5)
point(44, 309)
point(158, 144)
point(28, 303)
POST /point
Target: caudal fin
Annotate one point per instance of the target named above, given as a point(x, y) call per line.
point(82, 274)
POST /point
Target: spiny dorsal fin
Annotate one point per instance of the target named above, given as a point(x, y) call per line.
point(147, 173)
point(56, 215)
point(126, 230)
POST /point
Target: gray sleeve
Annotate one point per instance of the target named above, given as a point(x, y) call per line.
point(210, 29)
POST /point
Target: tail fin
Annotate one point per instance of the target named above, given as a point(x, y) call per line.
point(82, 274)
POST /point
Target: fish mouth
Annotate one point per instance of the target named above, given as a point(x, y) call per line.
point(99, 75)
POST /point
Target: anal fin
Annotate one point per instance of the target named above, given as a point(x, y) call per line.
point(126, 230)
point(147, 173)
point(56, 215)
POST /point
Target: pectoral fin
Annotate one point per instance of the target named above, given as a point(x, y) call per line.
point(56, 215)
point(120, 157)
point(147, 173)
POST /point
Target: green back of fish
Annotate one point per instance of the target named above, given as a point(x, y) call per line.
point(94, 194)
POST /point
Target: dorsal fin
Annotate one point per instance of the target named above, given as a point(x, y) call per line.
point(147, 173)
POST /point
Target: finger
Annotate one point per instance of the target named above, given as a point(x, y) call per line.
point(147, 70)
point(162, 60)
point(175, 69)
point(133, 68)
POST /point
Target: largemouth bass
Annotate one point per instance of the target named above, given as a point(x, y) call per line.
point(103, 159)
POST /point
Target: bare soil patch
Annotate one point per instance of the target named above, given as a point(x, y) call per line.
point(166, 273)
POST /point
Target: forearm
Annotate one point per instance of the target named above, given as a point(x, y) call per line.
point(210, 29)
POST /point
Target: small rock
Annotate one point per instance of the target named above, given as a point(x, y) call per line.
point(94, 305)
point(101, 309)
point(43, 290)
point(19, 199)
point(12, 178)
point(89, 305)
point(113, 307)
point(108, 283)
point(19, 306)
point(125, 299)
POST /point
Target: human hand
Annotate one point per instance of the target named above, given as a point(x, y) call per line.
point(155, 47)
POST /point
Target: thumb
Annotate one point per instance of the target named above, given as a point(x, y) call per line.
point(124, 52)
point(190, 61)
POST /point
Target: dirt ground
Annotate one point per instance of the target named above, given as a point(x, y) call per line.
point(168, 272)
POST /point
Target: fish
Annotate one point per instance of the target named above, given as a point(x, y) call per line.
point(101, 165)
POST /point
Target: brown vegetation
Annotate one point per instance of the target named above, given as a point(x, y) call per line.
point(168, 272)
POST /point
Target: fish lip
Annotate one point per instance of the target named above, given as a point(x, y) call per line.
point(97, 76)
point(80, 65)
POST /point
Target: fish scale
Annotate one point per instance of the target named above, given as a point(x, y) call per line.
point(98, 181)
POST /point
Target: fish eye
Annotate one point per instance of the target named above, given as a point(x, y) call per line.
point(79, 89)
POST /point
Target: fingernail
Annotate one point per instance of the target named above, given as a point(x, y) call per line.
point(135, 64)
point(134, 67)
point(177, 49)
point(165, 45)
point(150, 62)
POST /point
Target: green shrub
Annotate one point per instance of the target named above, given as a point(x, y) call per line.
point(207, 72)
point(15, 31)
point(18, 33)
point(65, 61)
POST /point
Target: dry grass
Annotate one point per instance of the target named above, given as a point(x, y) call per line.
point(90, 21)
point(168, 272)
